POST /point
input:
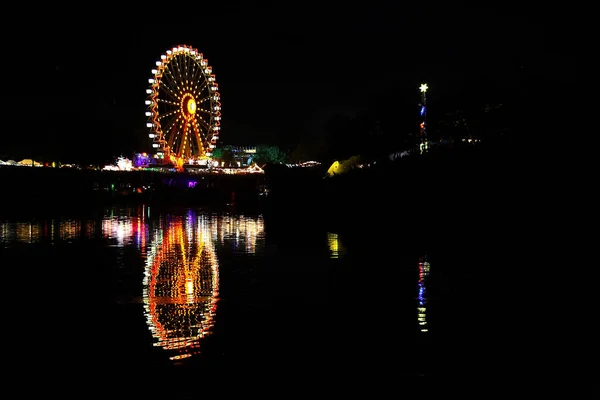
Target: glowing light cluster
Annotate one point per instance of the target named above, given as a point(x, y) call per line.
point(424, 144)
point(122, 164)
point(424, 267)
point(181, 283)
point(119, 229)
point(52, 230)
point(181, 278)
point(244, 234)
point(27, 232)
point(336, 248)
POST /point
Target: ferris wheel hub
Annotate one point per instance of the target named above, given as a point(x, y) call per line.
point(191, 106)
point(188, 106)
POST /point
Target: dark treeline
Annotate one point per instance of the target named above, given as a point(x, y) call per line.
point(464, 189)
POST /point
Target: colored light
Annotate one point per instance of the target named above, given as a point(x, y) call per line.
point(191, 106)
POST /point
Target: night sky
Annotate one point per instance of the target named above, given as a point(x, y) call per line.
point(75, 79)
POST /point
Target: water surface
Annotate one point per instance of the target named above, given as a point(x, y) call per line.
point(141, 289)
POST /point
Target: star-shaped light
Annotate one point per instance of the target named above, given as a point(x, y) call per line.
point(423, 87)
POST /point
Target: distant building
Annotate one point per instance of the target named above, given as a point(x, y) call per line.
point(141, 160)
point(28, 162)
point(244, 155)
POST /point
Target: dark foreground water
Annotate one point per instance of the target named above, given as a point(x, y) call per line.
point(141, 302)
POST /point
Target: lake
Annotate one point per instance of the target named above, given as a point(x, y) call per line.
point(133, 294)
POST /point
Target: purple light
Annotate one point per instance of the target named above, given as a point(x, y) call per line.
point(141, 160)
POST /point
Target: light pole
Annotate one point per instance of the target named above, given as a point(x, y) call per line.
point(423, 145)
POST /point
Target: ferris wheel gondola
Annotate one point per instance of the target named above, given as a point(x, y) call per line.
point(183, 107)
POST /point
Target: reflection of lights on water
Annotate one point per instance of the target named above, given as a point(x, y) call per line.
point(189, 290)
point(181, 279)
point(242, 232)
point(335, 245)
point(89, 229)
point(424, 267)
point(32, 232)
point(69, 229)
point(27, 232)
point(124, 229)
point(180, 286)
point(118, 228)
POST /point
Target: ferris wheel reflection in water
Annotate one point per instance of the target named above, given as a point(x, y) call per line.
point(181, 277)
point(181, 286)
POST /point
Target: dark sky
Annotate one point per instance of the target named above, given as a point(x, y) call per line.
point(75, 78)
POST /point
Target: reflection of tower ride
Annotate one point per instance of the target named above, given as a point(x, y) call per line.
point(336, 249)
point(422, 296)
point(180, 287)
point(423, 144)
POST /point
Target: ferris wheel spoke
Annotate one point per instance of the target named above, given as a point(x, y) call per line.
point(172, 80)
point(203, 99)
point(182, 67)
point(189, 82)
point(198, 78)
point(188, 66)
point(173, 95)
point(167, 102)
point(171, 88)
point(192, 78)
point(169, 125)
point(172, 100)
point(189, 74)
point(182, 142)
point(167, 114)
point(173, 71)
point(175, 83)
point(199, 90)
point(203, 122)
point(171, 140)
point(195, 68)
point(189, 141)
point(176, 138)
point(198, 137)
point(178, 69)
point(204, 110)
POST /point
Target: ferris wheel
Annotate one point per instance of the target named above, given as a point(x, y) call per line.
point(183, 107)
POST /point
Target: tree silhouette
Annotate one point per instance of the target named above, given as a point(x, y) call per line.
point(270, 154)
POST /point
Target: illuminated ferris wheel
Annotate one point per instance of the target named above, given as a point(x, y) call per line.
point(183, 107)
